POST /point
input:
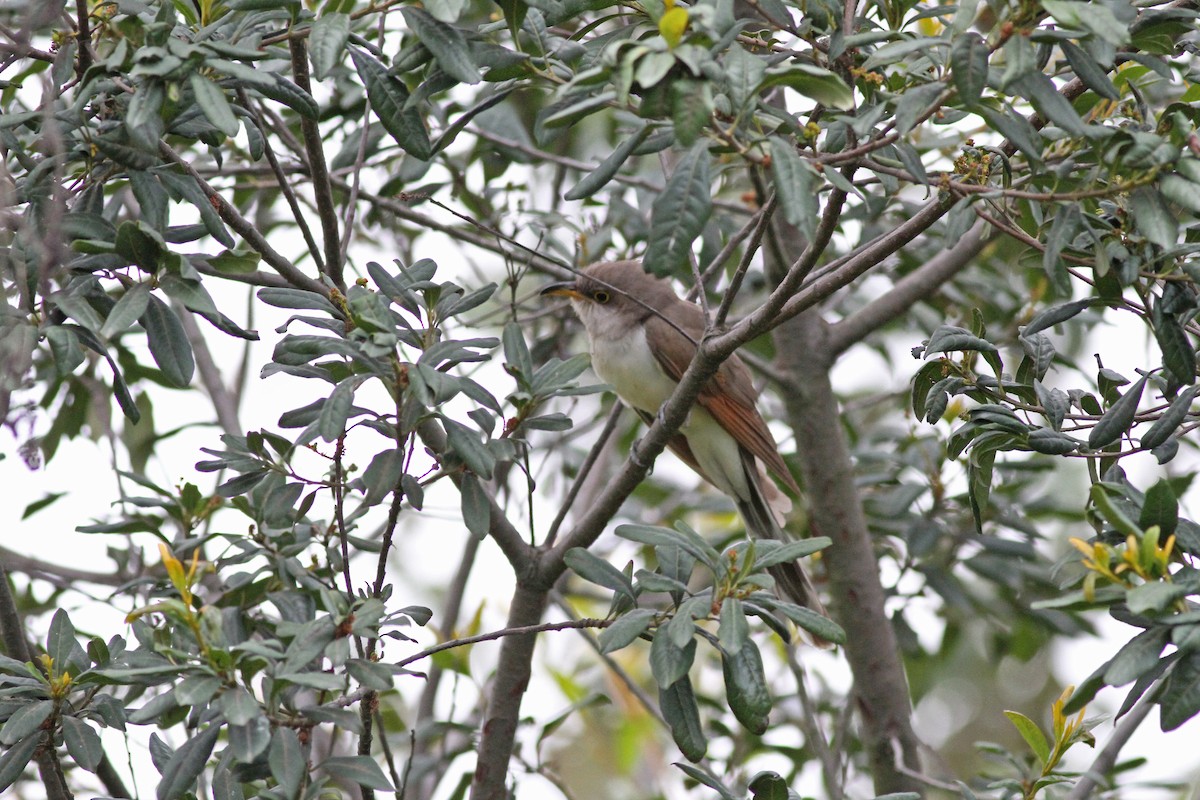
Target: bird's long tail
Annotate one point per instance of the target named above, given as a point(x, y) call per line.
point(791, 579)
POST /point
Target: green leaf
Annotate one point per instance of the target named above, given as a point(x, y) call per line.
point(1171, 419)
point(1154, 598)
point(733, 631)
point(360, 769)
point(626, 629)
point(1138, 656)
point(14, 760)
point(913, 106)
point(141, 245)
point(1093, 17)
point(127, 310)
point(665, 537)
point(388, 97)
point(1032, 735)
point(1160, 508)
point(83, 743)
point(446, 42)
point(1055, 315)
point(818, 625)
point(1179, 189)
point(1051, 442)
point(284, 91)
point(327, 42)
point(1016, 129)
point(286, 760)
point(331, 424)
point(42, 502)
point(211, 100)
point(772, 553)
point(691, 109)
point(186, 188)
point(1116, 421)
point(679, 709)
point(601, 175)
point(796, 184)
point(1041, 91)
point(168, 342)
point(27, 719)
point(979, 482)
point(743, 76)
point(595, 569)
point(465, 444)
point(239, 706)
point(1154, 219)
point(514, 13)
point(969, 66)
point(250, 740)
point(811, 81)
point(1179, 357)
point(746, 687)
point(1094, 76)
point(768, 786)
point(949, 338)
point(63, 646)
point(569, 110)
point(1112, 512)
point(679, 214)
point(181, 771)
point(668, 661)
point(1180, 699)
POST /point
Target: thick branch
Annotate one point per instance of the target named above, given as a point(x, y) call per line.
point(909, 290)
point(504, 703)
point(857, 593)
point(56, 574)
point(315, 153)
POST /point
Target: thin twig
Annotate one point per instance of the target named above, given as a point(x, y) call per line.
point(245, 228)
point(610, 425)
point(503, 632)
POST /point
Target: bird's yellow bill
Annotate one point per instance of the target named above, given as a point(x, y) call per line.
point(561, 290)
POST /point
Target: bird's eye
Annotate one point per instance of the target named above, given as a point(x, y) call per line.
point(600, 296)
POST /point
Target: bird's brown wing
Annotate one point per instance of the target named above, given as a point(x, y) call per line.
point(729, 396)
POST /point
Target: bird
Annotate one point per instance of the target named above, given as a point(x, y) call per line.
point(642, 337)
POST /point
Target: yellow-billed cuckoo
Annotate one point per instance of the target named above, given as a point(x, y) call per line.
point(643, 336)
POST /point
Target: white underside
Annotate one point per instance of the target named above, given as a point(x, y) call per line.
point(625, 362)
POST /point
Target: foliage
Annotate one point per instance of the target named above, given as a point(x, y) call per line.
point(999, 180)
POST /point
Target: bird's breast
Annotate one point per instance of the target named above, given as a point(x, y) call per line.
point(626, 363)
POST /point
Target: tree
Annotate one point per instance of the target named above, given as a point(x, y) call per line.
point(834, 182)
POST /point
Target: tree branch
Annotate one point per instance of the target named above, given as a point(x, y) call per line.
point(244, 228)
point(56, 574)
point(12, 631)
point(504, 632)
point(518, 552)
point(504, 702)
point(909, 290)
point(1106, 759)
point(318, 170)
point(855, 586)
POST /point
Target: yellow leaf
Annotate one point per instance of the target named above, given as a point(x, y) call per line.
point(174, 567)
point(672, 24)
